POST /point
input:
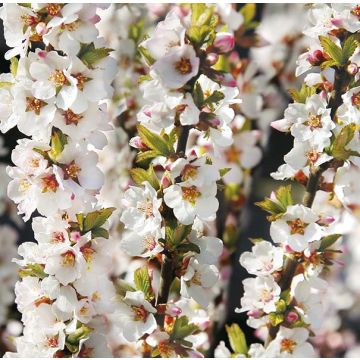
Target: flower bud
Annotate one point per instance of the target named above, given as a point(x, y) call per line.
point(316, 57)
point(352, 69)
point(254, 313)
point(212, 58)
point(165, 182)
point(291, 317)
point(41, 28)
point(226, 80)
point(224, 42)
point(174, 311)
point(75, 236)
point(137, 143)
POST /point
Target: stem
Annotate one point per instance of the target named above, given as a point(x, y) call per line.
point(167, 274)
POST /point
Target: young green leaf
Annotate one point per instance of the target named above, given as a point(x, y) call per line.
point(96, 219)
point(90, 55)
point(143, 282)
point(248, 11)
point(237, 339)
point(333, 50)
point(140, 175)
point(14, 62)
point(58, 142)
point(328, 241)
point(337, 148)
point(182, 328)
point(154, 141)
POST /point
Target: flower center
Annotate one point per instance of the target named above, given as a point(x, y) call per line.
point(165, 349)
point(232, 154)
point(57, 237)
point(71, 118)
point(87, 252)
point(71, 171)
point(150, 242)
point(140, 314)
point(267, 265)
point(68, 259)
point(146, 208)
point(35, 163)
point(314, 121)
point(287, 345)
point(58, 78)
point(95, 296)
point(297, 226)
point(34, 104)
point(84, 310)
point(196, 279)
point(72, 26)
point(312, 156)
point(266, 296)
point(52, 341)
point(81, 80)
point(355, 99)
point(23, 185)
point(188, 172)
point(356, 11)
point(49, 183)
point(29, 20)
point(183, 66)
point(53, 9)
point(190, 194)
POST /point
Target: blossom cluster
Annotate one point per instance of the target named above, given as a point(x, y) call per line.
point(167, 213)
point(284, 299)
point(55, 95)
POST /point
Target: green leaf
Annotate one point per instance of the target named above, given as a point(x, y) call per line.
point(146, 55)
point(146, 155)
point(97, 218)
point(90, 55)
point(143, 282)
point(198, 35)
point(215, 97)
point(348, 49)
point(72, 340)
point(328, 63)
point(224, 171)
point(182, 328)
point(196, 11)
point(198, 95)
point(58, 142)
point(303, 94)
point(333, 50)
point(276, 319)
point(123, 286)
point(14, 63)
point(99, 232)
point(237, 339)
point(140, 175)
point(328, 241)
point(35, 270)
point(175, 233)
point(80, 219)
point(281, 306)
point(154, 141)
point(337, 148)
point(284, 196)
point(184, 248)
point(248, 11)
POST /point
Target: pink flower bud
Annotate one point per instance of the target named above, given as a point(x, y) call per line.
point(174, 311)
point(288, 248)
point(326, 220)
point(95, 19)
point(75, 236)
point(254, 313)
point(224, 42)
point(291, 317)
point(165, 181)
point(337, 22)
point(352, 69)
point(137, 143)
point(215, 122)
point(226, 80)
point(280, 125)
point(72, 197)
point(42, 54)
point(41, 28)
point(316, 57)
point(212, 58)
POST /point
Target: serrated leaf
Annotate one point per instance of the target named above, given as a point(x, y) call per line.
point(348, 49)
point(182, 328)
point(14, 63)
point(284, 196)
point(154, 141)
point(99, 232)
point(196, 11)
point(143, 282)
point(175, 233)
point(90, 55)
point(328, 241)
point(80, 219)
point(198, 95)
point(333, 50)
point(97, 218)
point(328, 63)
point(237, 339)
point(270, 206)
point(337, 148)
point(58, 142)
